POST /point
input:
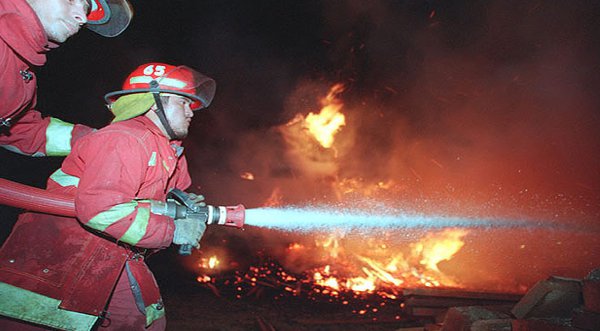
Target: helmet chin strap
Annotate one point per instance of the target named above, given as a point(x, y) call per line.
point(160, 111)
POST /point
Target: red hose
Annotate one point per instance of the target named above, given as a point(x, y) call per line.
point(35, 199)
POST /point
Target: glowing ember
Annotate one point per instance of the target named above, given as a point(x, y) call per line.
point(210, 263)
point(213, 262)
point(247, 176)
point(327, 123)
point(204, 279)
point(295, 246)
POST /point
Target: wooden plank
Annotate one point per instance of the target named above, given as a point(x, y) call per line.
point(458, 293)
point(449, 302)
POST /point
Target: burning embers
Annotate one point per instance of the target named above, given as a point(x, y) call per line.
point(343, 267)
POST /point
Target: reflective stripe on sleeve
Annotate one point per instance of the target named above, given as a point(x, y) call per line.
point(64, 179)
point(58, 137)
point(137, 229)
point(106, 218)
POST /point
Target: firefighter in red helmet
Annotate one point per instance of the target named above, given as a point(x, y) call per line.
point(120, 177)
point(28, 30)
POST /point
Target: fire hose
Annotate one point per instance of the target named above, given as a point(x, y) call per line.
point(35, 199)
point(42, 201)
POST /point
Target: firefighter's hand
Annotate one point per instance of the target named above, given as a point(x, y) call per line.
point(189, 231)
point(198, 199)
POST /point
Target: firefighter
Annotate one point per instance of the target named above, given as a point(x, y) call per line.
point(69, 273)
point(28, 30)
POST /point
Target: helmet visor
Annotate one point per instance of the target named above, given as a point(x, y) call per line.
point(109, 18)
point(187, 82)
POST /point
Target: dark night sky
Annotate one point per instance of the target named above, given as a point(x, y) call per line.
point(511, 84)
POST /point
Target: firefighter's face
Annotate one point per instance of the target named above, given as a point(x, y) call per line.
point(179, 114)
point(60, 18)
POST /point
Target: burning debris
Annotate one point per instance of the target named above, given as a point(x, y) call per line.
point(354, 266)
point(473, 146)
point(372, 255)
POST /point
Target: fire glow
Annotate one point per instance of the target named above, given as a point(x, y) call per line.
point(338, 263)
point(358, 233)
point(373, 266)
point(327, 123)
point(355, 269)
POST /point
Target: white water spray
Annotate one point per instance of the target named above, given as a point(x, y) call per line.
point(325, 218)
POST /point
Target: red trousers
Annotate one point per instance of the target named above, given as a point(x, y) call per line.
point(123, 314)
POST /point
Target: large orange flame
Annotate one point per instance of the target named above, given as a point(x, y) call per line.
point(327, 123)
point(387, 269)
point(436, 248)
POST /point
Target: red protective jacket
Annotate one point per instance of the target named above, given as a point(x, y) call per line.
point(113, 174)
point(23, 45)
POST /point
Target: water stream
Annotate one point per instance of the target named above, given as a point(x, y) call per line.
point(306, 219)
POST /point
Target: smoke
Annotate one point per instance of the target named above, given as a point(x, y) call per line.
point(475, 110)
point(485, 107)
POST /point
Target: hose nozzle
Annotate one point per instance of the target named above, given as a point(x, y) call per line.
point(226, 215)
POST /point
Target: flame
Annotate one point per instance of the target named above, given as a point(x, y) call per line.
point(436, 248)
point(330, 245)
point(335, 264)
point(295, 246)
point(379, 272)
point(361, 186)
point(275, 199)
point(327, 123)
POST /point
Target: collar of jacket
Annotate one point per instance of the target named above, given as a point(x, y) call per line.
point(22, 31)
point(155, 129)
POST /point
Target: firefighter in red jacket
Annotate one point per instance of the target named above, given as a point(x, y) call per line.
point(71, 273)
point(28, 30)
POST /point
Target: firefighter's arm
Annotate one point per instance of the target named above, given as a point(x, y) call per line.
point(35, 135)
point(107, 198)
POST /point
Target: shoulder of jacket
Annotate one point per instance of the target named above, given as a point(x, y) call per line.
point(116, 132)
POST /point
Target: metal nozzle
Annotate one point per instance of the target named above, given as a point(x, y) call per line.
point(226, 215)
point(221, 215)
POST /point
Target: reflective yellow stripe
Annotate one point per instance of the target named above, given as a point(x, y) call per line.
point(137, 229)
point(153, 313)
point(64, 179)
point(106, 218)
point(58, 137)
point(152, 161)
point(176, 83)
point(36, 308)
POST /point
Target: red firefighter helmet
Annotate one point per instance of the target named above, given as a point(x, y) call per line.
point(166, 78)
point(109, 17)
